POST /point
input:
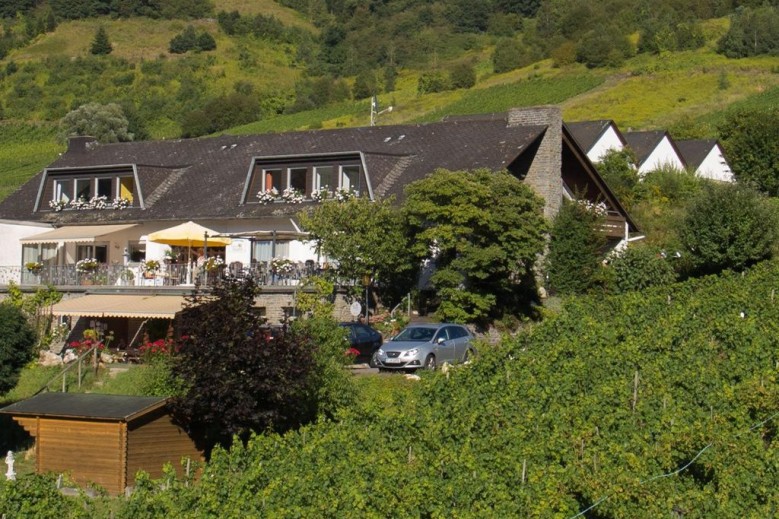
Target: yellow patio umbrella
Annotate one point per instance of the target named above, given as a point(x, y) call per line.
point(188, 234)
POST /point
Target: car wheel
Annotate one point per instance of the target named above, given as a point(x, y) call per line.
point(372, 362)
point(468, 355)
point(430, 362)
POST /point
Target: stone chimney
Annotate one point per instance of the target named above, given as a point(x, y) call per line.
point(81, 143)
point(545, 175)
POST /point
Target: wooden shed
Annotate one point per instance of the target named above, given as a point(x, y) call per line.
point(102, 439)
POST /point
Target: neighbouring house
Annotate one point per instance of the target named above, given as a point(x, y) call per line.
point(654, 150)
point(103, 439)
point(597, 138)
point(706, 158)
point(88, 216)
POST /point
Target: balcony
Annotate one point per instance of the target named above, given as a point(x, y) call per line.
point(170, 275)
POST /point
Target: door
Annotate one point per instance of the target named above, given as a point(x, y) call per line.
point(443, 346)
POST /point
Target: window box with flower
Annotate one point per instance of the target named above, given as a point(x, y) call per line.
point(292, 195)
point(266, 197)
point(344, 194)
point(321, 194)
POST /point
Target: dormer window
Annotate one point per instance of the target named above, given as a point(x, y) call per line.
point(295, 179)
point(98, 188)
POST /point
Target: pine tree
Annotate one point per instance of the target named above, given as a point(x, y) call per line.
point(101, 46)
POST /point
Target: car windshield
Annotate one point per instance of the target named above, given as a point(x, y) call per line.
point(415, 334)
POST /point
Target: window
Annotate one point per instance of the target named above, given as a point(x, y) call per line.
point(126, 187)
point(136, 251)
point(62, 190)
point(104, 187)
point(297, 178)
point(324, 178)
point(264, 250)
point(272, 180)
point(83, 189)
point(43, 252)
point(99, 252)
point(350, 178)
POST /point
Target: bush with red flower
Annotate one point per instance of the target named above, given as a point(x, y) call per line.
point(352, 353)
point(90, 339)
point(151, 350)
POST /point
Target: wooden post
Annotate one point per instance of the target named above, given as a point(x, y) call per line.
point(524, 470)
point(635, 390)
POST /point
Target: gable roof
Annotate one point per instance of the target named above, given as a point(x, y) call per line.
point(644, 143)
point(695, 151)
point(187, 179)
point(86, 405)
point(588, 133)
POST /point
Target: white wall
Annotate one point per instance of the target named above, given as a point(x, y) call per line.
point(715, 167)
point(663, 155)
point(608, 141)
point(12, 232)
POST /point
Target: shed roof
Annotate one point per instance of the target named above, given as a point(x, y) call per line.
point(90, 406)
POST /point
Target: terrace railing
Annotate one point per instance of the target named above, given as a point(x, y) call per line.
point(133, 275)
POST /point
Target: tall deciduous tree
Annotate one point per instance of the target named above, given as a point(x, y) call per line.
point(482, 231)
point(106, 123)
point(101, 45)
point(728, 226)
point(238, 379)
point(365, 238)
point(751, 143)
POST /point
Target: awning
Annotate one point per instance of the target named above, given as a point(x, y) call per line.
point(121, 305)
point(267, 235)
point(79, 234)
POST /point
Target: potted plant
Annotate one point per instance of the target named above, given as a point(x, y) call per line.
point(150, 268)
point(213, 264)
point(87, 266)
point(281, 266)
point(34, 267)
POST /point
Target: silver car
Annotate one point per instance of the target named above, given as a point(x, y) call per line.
point(426, 346)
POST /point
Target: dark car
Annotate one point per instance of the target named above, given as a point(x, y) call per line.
point(364, 339)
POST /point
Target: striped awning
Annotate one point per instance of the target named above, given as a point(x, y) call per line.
point(76, 233)
point(121, 305)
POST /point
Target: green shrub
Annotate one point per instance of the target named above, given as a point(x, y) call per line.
point(432, 82)
point(101, 46)
point(639, 267)
point(575, 248)
point(728, 226)
point(462, 75)
point(17, 339)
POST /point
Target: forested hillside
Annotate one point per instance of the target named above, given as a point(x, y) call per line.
point(194, 67)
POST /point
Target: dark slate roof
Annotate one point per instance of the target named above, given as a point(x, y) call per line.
point(90, 406)
point(205, 178)
point(644, 143)
point(694, 152)
point(587, 133)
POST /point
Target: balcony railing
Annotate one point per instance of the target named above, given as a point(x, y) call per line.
point(133, 275)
